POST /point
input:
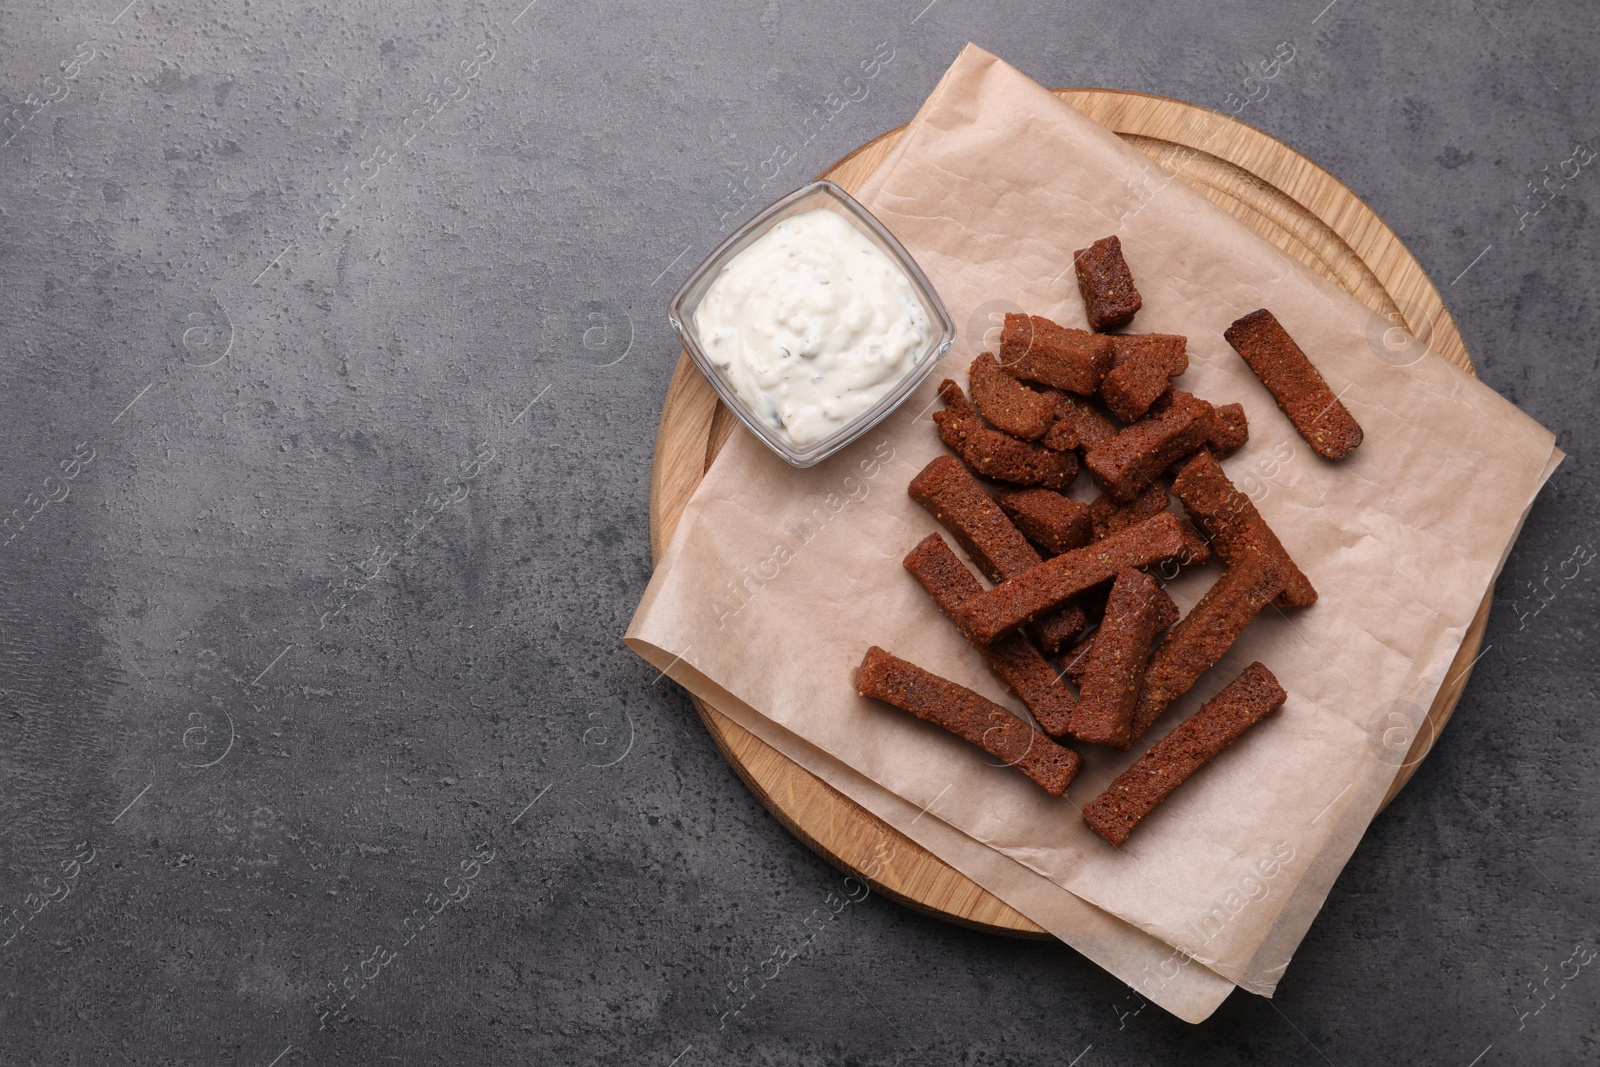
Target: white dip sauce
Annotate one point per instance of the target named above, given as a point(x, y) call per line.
point(812, 324)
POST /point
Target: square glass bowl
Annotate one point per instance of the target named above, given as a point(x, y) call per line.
point(826, 195)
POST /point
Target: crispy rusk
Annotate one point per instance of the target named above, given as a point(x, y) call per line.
point(994, 454)
point(1135, 793)
point(1109, 297)
point(1035, 349)
point(1230, 430)
point(1013, 657)
point(956, 500)
point(1037, 590)
point(958, 503)
point(1126, 465)
point(969, 716)
point(1143, 366)
point(1007, 404)
point(1204, 635)
point(1079, 424)
point(1295, 383)
point(1137, 611)
point(1234, 525)
point(1054, 522)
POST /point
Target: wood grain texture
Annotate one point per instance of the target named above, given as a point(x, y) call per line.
point(1257, 179)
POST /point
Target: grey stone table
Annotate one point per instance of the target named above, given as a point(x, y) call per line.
point(331, 349)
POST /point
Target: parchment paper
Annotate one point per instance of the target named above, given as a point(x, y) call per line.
point(777, 579)
point(1155, 969)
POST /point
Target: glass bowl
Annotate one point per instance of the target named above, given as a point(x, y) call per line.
point(827, 195)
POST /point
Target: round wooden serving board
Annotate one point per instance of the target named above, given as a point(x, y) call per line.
point(1264, 184)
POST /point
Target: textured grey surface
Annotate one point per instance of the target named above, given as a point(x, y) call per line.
point(331, 604)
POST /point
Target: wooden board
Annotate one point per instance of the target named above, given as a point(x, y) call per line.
point(1269, 187)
